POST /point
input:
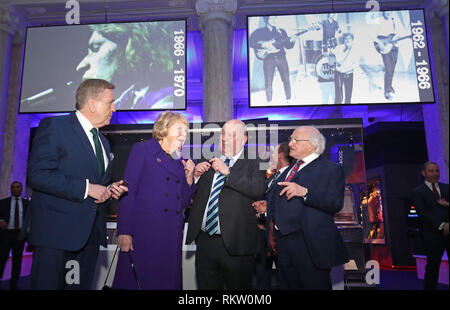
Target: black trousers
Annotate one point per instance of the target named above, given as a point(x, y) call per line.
point(57, 269)
point(434, 249)
point(389, 61)
point(296, 270)
point(9, 242)
point(343, 83)
point(270, 63)
point(216, 269)
point(263, 263)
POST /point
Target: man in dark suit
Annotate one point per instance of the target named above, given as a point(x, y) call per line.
point(431, 202)
point(69, 171)
point(281, 160)
point(13, 211)
point(222, 220)
point(301, 210)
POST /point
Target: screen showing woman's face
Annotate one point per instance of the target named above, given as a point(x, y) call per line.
point(101, 62)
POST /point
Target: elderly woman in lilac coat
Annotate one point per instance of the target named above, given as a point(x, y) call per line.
point(150, 218)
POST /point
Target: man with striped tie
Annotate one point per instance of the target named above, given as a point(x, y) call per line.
point(300, 213)
point(222, 220)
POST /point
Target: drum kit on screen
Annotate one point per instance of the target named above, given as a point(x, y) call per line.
point(322, 57)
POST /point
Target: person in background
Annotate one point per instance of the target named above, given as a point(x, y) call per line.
point(69, 171)
point(280, 159)
point(150, 219)
point(346, 61)
point(273, 41)
point(431, 199)
point(13, 211)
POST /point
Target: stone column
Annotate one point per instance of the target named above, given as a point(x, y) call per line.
point(216, 23)
point(436, 116)
point(12, 30)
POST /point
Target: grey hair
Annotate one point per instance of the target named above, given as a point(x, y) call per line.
point(318, 140)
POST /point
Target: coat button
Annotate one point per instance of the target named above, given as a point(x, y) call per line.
point(178, 197)
point(165, 210)
point(168, 178)
point(178, 181)
point(166, 194)
point(177, 212)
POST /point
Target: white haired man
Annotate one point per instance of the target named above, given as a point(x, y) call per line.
point(301, 210)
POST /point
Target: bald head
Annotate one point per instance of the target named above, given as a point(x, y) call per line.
point(233, 137)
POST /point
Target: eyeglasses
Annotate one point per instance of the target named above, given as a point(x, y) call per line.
point(296, 140)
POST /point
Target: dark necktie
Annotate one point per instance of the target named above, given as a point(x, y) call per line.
point(16, 214)
point(212, 214)
point(98, 153)
point(436, 193)
point(294, 170)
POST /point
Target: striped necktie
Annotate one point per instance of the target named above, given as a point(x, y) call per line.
point(294, 170)
point(212, 213)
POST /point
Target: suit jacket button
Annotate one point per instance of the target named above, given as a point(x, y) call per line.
point(178, 197)
point(178, 181)
point(177, 212)
point(166, 194)
point(168, 178)
point(165, 210)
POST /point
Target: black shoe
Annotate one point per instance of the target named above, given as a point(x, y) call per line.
point(387, 95)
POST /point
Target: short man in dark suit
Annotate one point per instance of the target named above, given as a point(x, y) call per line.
point(301, 210)
point(264, 259)
point(13, 211)
point(222, 220)
point(431, 201)
point(69, 171)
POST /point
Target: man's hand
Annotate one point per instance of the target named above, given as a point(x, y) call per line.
point(117, 189)
point(442, 202)
point(201, 168)
point(99, 192)
point(445, 229)
point(260, 206)
point(292, 190)
point(3, 224)
point(219, 165)
point(189, 167)
point(125, 243)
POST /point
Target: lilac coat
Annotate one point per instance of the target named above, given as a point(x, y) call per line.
point(152, 213)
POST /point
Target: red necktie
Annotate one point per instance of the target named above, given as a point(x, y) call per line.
point(436, 193)
point(16, 214)
point(294, 170)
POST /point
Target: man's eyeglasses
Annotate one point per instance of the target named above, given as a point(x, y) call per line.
point(296, 140)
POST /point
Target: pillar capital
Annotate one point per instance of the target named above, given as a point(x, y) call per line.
point(437, 8)
point(12, 21)
point(216, 9)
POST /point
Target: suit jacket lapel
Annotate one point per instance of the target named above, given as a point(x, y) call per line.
point(87, 148)
point(108, 153)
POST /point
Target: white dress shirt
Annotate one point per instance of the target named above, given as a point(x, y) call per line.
point(87, 126)
point(216, 175)
point(306, 162)
point(12, 213)
point(430, 186)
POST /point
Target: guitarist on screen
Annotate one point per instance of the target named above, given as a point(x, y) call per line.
point(270, 43)
point(385, 42)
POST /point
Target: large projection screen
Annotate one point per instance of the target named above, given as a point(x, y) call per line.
point(146, 61)
point(339, 58)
